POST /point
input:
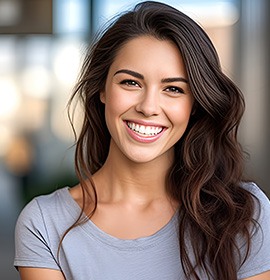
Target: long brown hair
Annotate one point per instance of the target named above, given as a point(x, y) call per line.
point(207, 172)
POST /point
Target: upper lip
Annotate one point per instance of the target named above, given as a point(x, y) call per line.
point(146, 123)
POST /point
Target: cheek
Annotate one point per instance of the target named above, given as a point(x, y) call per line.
point(179, 114)
point(114, 109)
point(117, 103)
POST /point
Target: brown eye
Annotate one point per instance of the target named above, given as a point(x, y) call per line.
point(130, 83)
point(176, 90)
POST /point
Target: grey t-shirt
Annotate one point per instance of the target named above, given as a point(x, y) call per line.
point(89, 253)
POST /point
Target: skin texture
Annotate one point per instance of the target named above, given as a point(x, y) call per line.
point(262, 276)
point(28, 273)
point(147, 99)
point(131, 202)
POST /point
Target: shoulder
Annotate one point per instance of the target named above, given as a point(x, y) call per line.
point(48, 210)
point(255, 190)
point(44, 202)
point(258, 259)
point(261, 208)
point(262, 202)
point(38, 229)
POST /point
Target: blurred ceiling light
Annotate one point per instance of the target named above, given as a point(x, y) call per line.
point(9, 98)
point(36, 82)
point(10, 12)
point(67, 62)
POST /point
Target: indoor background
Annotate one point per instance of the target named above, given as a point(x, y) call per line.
point(42, 44)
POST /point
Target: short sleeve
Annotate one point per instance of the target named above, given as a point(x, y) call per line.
point(32, 246)
point(258, 260)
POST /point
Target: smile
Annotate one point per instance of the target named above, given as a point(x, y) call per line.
point(144, 130)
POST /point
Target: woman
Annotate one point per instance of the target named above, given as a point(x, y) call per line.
point(161, 193)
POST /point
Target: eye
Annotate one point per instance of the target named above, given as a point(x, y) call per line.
point(174, 90)
point(130, 83)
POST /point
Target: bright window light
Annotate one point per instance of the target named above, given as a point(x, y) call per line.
point(9, 98)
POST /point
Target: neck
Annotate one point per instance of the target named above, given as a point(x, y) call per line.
point(122, 179)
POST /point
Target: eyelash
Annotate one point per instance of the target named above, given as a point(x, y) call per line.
point(129, 83)
point(172, 89)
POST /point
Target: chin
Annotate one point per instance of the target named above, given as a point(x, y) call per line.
point(144, 158)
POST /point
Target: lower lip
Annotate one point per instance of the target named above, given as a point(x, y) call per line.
point(144, 139)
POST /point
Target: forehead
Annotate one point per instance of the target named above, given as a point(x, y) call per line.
point(148, 53)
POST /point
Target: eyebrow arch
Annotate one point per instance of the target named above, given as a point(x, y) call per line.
point(130, 72)
point(176, 79)
point(140, 76)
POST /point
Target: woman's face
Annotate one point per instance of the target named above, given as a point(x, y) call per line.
point(147, 99)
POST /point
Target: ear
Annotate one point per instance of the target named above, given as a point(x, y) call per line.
point(102, 96)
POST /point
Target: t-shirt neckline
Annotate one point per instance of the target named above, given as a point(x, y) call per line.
point(93, 231)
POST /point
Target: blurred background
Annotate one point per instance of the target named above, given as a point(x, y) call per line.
point(42, 45)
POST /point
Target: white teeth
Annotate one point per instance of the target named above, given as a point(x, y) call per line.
point(133, 126)
point(146, 130)
point(142, 129)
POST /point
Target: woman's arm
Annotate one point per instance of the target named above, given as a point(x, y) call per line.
point(262, 276)
point(30, 273)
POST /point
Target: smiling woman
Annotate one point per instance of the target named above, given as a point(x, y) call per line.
point(147, 102)
point(161, 192)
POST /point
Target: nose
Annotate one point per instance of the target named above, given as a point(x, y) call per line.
point(149, 103)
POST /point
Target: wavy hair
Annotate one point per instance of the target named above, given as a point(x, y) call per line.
point(207, 172)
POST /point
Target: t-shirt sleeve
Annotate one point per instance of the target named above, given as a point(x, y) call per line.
point(32, 245)
point(258, 260)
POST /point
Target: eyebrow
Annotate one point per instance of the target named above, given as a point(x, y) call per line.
point(140, 76)
point(130, 72)
point(176, 79)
